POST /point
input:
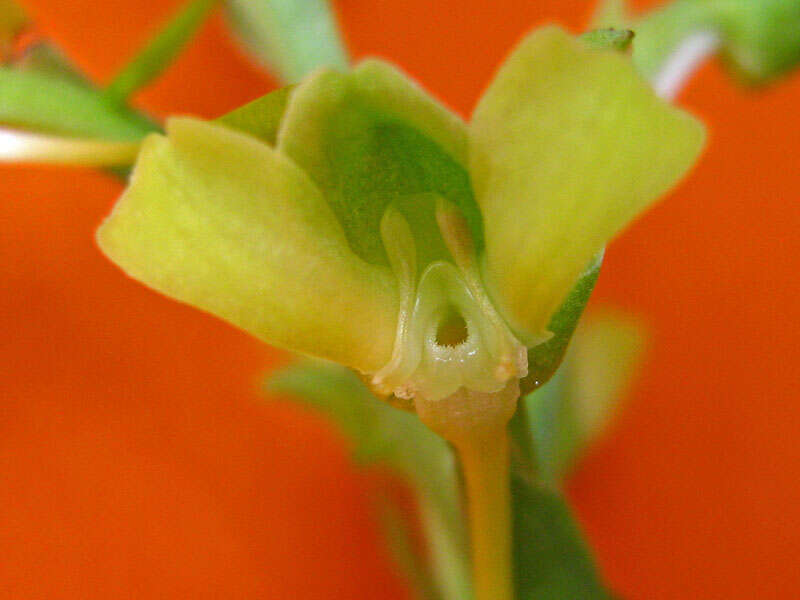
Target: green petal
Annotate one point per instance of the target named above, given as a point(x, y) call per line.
point(221, 221)
point(567, 146)
point(372, 138)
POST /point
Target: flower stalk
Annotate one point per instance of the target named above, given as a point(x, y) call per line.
point(485, 463)
point(476, 424)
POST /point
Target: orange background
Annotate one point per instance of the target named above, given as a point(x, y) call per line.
point(138, 460)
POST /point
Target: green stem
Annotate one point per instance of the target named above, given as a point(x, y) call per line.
point(485, 461)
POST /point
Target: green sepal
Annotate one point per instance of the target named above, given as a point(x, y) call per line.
point(372, 138)
point(567, 146)
point(544, 359)
point(160, 51)
point(262, 117)
point(50, 103)
point(551, 559)
point(219, 220)
point(290, 37)
point(384, 435)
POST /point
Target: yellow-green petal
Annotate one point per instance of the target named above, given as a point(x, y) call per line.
point(567, 145)
point(219, 220)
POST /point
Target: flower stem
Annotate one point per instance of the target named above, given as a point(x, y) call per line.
point(485, 462)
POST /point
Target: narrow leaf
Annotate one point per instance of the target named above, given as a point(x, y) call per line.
point(577, 405)
point(544, 359)
point(382, 434)
point(54, 104)
point(157, 55)
point(290, 37)
point(551, 559)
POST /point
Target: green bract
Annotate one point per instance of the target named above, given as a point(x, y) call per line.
point(354, 218)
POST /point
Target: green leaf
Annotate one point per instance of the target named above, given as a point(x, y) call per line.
point(290, 37)
point(159, 53)
point(372, 138)
point(382, 434)
point(54, 104)
point(219, 220)
point(551, 559)
point(577, 405)
point(261, 117)
point(567, 146)
point(399, 538)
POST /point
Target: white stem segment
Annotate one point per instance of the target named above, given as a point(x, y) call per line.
point(22, 146)
point(683, 62)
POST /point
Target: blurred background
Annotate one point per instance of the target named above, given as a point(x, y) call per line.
point(139, 458)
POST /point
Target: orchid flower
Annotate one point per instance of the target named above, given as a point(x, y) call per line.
point(354, 218)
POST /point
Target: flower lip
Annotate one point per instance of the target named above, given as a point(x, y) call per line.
point(449, 337)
